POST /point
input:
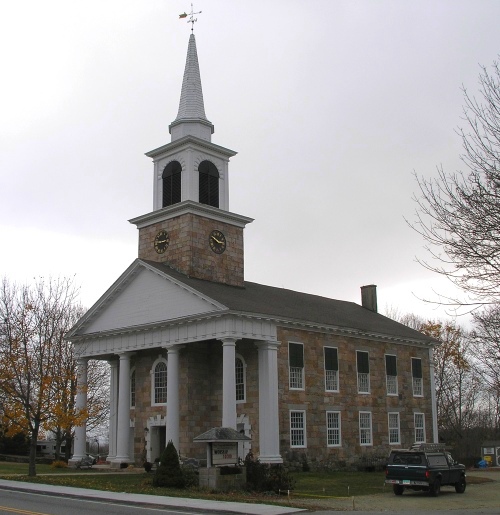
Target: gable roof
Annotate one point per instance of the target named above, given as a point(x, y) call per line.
point(292, 306)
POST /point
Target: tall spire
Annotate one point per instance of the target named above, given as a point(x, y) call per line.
point(191, 118)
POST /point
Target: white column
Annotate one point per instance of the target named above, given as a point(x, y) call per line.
point(435, 433)
point(228, 383)
point(173, 416)
point(123, 429)
point(113, 407)
point(81, 406)
point(269, 433)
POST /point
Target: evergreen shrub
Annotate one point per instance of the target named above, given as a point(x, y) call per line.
point(169, 472)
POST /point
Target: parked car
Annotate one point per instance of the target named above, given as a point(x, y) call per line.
point(425, 467)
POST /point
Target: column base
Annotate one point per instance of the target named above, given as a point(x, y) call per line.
point(117, 461)
point(272, 460)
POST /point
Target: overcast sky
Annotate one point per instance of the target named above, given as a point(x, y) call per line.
point(331, 106)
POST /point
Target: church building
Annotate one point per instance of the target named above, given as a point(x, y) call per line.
point(192, 346)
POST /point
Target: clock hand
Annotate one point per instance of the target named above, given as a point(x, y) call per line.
point(214, 238)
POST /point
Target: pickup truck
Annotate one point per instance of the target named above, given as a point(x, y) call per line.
point(424, 468)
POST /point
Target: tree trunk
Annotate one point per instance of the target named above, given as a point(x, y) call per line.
point(32, 462)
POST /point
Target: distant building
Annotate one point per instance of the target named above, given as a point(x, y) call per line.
point(192, 345)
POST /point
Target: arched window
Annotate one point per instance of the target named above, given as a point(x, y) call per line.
point(159, 382)
point(132, 388)
point(240, 374)
point(209, 184)
point(171, 180)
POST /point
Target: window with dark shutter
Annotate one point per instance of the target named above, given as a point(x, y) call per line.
point(331, 359)
point(416, 367)
point(296, 355)
point(171, 183)
point(391, 365)
point(363, 362)
point(208, 184)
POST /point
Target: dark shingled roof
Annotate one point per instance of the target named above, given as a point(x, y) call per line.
point(280, 303)
point(221, 434)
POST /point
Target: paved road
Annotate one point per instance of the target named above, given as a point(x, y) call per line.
point(13, 502)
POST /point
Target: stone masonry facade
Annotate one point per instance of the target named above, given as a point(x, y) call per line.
point(201, 397)
point(189, 251)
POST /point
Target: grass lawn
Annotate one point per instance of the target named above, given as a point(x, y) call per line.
point(307, 484)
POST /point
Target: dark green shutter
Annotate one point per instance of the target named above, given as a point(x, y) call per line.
point(296, 355)
point(416, 367)
point(363, 362)
point(331, 359)
point(391, 365)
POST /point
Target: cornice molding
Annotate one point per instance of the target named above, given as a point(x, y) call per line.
point(190, 207)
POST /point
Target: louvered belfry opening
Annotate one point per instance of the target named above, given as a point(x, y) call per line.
point(171, 183)
point(209, 184)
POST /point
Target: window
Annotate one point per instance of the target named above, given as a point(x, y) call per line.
point(297, 429)
point(391, 374)
point(331, 369)
point(365, 428)
point(363, 365)
point(240, 379)
point(132, 388)
point(159, 381)
point(416, 372)
point(394, 435)
point(171, 183)
point(333, 429)
point(209, 184)
point(296, 363)
point(419, 428)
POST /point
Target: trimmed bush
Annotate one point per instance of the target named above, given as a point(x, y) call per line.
point(169, 472)
point(262, 477)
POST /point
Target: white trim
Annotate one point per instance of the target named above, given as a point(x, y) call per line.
point(339, 413)
point(422, 427)
point(370, 443)
point(301, 388)
point(396, 413)
point(368, 392)
point(159, 359)
point(304, 429)
point(242, 359)
point(387, 376)
point(324, 369)
point(132, 372)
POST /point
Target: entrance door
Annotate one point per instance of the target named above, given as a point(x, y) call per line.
point(158, 436)
point(498, 456)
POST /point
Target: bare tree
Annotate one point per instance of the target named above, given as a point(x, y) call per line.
point(38, 380)
point(458, 214)
point(487, 352)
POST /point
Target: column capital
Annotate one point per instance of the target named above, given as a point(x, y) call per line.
point(268, 345)
point(125, 354)
point(173, 348)
point(228, 340)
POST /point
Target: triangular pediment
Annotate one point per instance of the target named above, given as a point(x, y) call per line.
point(140, 297)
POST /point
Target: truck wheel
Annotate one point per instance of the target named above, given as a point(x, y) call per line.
point(435, 488)
point(398, 489)
point(460, 486)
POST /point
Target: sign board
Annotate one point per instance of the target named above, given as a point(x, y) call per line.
point(224, 453)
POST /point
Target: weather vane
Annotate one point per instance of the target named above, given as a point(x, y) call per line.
point(191, 15)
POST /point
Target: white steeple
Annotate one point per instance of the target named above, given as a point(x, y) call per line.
point(191, 118)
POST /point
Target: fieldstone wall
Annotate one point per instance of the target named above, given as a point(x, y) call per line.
point(189, 251)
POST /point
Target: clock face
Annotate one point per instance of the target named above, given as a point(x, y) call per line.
point(217, 242)
point(161, 242)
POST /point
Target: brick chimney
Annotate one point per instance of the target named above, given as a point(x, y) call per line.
point(369, 297)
